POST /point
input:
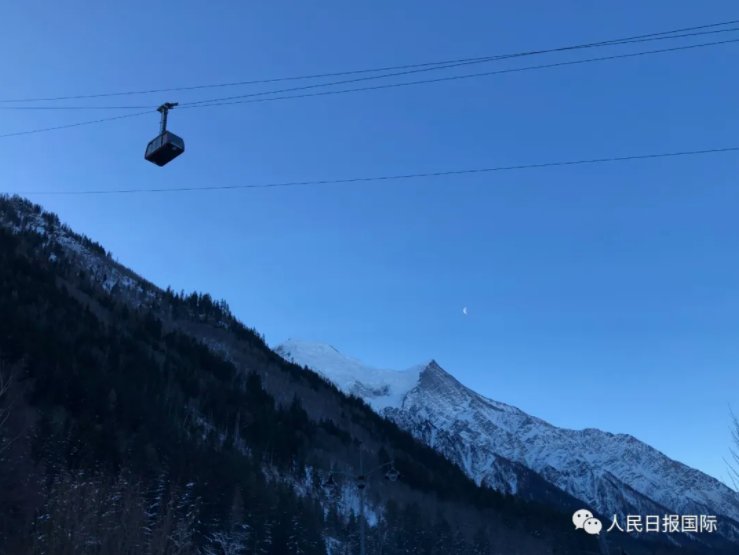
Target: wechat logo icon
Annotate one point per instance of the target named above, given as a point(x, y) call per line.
point(584, 520)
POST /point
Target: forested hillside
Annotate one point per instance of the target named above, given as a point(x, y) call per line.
point(138, 420)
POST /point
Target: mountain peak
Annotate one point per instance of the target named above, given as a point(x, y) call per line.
point(488, 439)
point(381, 388)
point(434, 367)
point(434, 377)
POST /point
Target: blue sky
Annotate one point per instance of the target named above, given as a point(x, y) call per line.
point(599, 296)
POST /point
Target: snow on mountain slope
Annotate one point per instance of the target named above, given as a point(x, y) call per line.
point(18, 215)
point(612, 473)
point(381, 389)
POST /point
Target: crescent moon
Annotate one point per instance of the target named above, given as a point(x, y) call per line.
point(465, 311)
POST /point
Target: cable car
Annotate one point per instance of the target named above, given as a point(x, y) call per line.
point(166, 146)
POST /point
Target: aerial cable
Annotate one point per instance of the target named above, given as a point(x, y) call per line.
point(663, 35)
point(465, 63)
point(376, 87)
point(397, 177)
point(51, 108)
point(383, 86)
point(76, 124)
point(249, 98)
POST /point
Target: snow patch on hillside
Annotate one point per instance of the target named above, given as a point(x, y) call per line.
point(380, 388)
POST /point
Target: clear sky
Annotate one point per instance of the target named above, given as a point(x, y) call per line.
point(599, 296)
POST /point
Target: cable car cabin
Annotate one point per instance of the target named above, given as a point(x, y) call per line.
point(164, 148)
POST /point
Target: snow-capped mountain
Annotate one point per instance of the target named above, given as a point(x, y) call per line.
point(495, 443)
